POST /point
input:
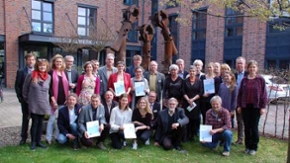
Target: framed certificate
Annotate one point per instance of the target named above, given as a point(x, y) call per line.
point(119, 88)
point(204, 134)
point(139, 88)
point(129, 131)
point(208, 85)
point(93, 129)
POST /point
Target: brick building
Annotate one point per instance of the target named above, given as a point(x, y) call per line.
point(34, 25)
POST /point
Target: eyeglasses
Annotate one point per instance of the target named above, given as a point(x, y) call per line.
point(41, 59)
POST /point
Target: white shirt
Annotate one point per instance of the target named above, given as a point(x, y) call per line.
point(118, 118)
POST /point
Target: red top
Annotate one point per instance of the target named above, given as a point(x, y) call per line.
point(250, 92)
point(127, 82)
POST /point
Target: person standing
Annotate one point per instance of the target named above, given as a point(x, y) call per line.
point(36, 94)
point(96, 65)
point(71, 73)
point(137, 60)
point(20, 78)
point(240, 74)
point(181, 73)
point(252, 101)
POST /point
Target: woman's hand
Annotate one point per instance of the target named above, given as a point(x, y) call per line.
point(262, 111)
point(239, 110)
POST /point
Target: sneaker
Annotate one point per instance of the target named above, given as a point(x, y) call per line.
point(101, 146)
point(252, 152)
point(226, 153)
point(124, 143)
point(135, 146)
point(147, 142)
point(247, 151)
point(178, 148)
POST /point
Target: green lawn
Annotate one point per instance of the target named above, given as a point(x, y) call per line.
point(270, 150)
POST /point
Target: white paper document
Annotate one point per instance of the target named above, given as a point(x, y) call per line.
point(208, 85)
point(129, 131)
point(119, 88)
point(204, 134)
point(191, 107)
point(93, 129)
point(139, 88)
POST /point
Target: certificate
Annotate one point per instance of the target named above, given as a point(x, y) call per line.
point(119, 88)
point(93, 129)
point(139, 89)
point(191, 107)
point(204, 134)
point(129, 131)
point(208, 85)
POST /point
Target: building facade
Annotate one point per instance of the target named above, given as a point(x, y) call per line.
point(37, 25)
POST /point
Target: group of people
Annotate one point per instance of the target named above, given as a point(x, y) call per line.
point(72, 100)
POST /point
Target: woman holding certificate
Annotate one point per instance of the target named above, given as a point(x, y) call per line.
point(120, 115)
point(140, 86)
point(211, 85)
point(120, 82)
point(192, 89)
point(88, 84)
point(142, 117)
point(252, 101)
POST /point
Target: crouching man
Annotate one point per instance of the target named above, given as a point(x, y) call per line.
point(92, 112)
point(67, 121)
point(171, 126)
point(220, 120)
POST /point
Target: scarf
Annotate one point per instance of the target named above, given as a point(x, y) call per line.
point(55, 83)
point(42, 75)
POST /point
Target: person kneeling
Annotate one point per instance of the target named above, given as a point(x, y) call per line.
point(93, 112)
point(220, 120)
point(170, 129)
point(67, 121)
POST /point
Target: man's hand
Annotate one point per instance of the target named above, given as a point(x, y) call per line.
point(86, 135)
point(71, 136)
point(262, 111)
point(175, 125)
point(72, 86)
point(212, 132)
point(121, 128)
point(101, 128)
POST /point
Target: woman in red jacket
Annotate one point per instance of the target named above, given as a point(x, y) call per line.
point(121, 76)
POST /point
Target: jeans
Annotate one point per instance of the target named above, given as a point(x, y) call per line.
point(225, 136)
point(74, 129)
point(51, 124)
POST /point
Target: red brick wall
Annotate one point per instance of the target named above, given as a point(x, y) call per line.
point(1, 17)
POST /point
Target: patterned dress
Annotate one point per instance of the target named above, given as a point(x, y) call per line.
point(88, 89)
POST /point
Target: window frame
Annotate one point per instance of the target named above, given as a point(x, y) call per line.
point(87, 17)
point(231, 14)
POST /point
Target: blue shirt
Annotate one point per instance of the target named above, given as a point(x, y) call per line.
point(240, 76)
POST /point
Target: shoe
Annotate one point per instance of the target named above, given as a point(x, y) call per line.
point(239, 142)
point(135, 146)
point(247, 151)
point(22, 142)
point(226, 153)
point(178, 148)
point(41, 145)
point(76, 147)
point(124, 143)
point(101, 146)
point(33, 146)
point(48, 142)
point(147, 142)
point(252, 152)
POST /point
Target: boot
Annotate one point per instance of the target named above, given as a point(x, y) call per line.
point(33, 146)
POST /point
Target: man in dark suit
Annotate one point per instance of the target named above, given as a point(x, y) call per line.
point(181, 72)
point(67, 121)
point(109, 104)
point(71, 73)
point(137, 60)
point(155, 108)
point(240, 74)
point(105, 72)
point(171, 126)
point(93, 112)
point(20, 78)
point(155, 79)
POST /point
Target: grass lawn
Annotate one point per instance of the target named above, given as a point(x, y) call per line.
point(270, 150)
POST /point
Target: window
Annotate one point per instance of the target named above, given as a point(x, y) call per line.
point(87, 18)
point(234, 23)
point(199, 25)
point(172, 4)
point(133, 33)
point(173, 26)
point(130, 2)
point(42, 16)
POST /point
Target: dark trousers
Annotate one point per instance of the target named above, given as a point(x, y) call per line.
point(144, 135)
point(89, 142)
point(36, 127)
point(192, 128)
point(204, 107)
point(173, 139)
point(251, 117)
point(25, 120)
point(117, 138)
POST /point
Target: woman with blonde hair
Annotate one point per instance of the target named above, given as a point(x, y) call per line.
point(142, 117)
point(36, 94)
point(59, 89)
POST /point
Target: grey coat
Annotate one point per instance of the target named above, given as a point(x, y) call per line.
point(37, 95)
point(104, 79)
point(86, 115)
